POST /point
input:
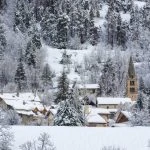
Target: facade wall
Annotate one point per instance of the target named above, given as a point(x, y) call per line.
point(3, 105)
point(108, 106)
point(97, 125)
point(132, 94)
point(84, 92)
point(105, 116)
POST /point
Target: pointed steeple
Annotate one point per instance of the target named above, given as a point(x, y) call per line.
point(131, 70)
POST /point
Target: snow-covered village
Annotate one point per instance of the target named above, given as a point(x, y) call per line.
point(74, 74)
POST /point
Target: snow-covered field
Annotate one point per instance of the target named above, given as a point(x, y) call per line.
point(79, 138)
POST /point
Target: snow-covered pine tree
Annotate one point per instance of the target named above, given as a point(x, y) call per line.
point(3, 44)
point(93, 33)
point(63, 88)
point(3, 4)
point(33, 48)
point(62, 31)
point(69, 113)
point(48, 26)
point(140, 101)
point(66, 58)
point(47, 76)
point(22, 20)
point(20, 77)
point(107, 79)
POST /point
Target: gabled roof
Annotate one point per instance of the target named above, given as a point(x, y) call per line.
point(95, 118)
point(112, 100)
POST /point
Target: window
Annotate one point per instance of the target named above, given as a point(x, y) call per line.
point(107, 107)
point(132, 82)
point(132, 90)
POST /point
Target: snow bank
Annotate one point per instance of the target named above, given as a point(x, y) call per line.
point(79, 138)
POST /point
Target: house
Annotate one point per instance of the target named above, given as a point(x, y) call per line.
point(111, 102)
point(88, 89)
point(104, 113)
point(50, 116)
point(27, 105)
point(132, 83)
point(96, 117)
point(123, 117)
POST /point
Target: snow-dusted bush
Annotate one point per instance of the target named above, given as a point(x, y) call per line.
point(148, 143)
point(12, 118)
point(43, 143)
point(112, 148)
point(6, 138)
point(10, 87)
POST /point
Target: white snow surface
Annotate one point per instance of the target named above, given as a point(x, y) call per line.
point(85, 138)
point(139, 4)
point(113, 100)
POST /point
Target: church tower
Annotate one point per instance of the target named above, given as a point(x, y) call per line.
point(132, 84)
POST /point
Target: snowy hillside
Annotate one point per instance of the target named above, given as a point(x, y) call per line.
point(54, 56)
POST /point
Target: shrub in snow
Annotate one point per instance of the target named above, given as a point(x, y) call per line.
point(149, 143)
point(6, 137)
point(112, 148)
point(63, 87)
point(43, 143)
point(12, 118)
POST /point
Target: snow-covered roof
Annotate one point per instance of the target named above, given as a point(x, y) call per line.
point(53, 111)
point(112, 100)
point(28, 113)
point(25, 101)
point(88, 86)
point(95, 118)
point(126, 113)
point(95, 110)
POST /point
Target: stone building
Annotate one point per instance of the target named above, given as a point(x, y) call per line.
point(132, 83)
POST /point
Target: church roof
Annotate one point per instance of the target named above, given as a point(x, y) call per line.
point(131, 70)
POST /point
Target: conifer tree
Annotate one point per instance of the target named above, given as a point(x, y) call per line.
point(66, 59)
point(3, 42)
point(140, 101)
point(22, 18)
point(33, 47)
point(107, 79)
point(69, 112)
point(93, 32)
point(63, 87)
point(47, 76)
point(48, 24)
point(20, 77)
point(62, 31)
